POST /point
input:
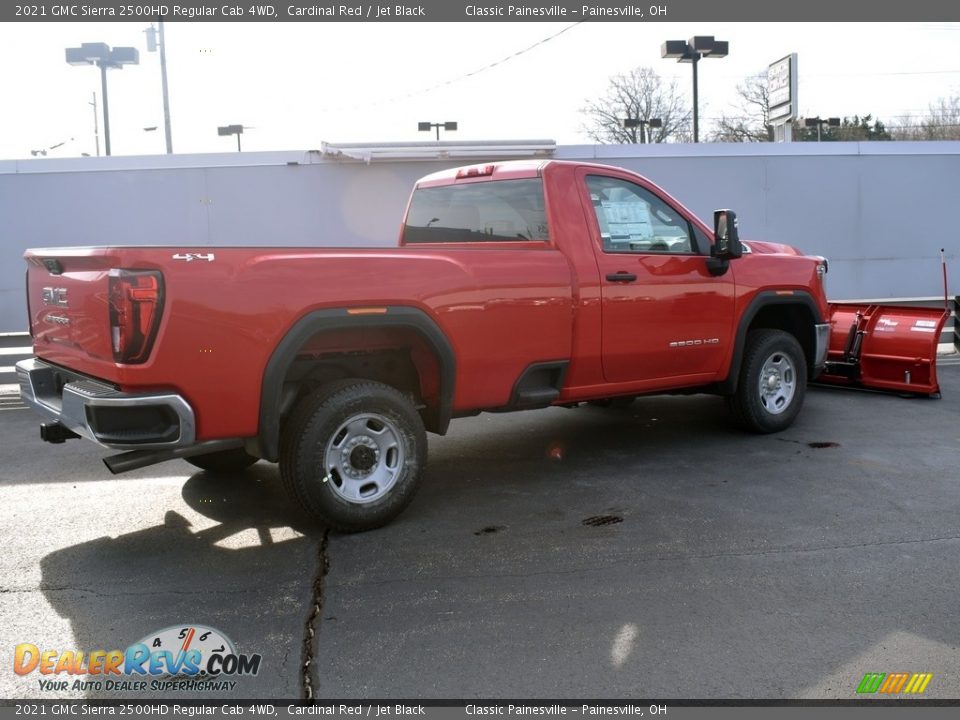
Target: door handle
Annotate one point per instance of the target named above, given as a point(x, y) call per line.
point(622, 277)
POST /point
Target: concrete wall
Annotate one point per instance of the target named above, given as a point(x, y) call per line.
point(879, 211)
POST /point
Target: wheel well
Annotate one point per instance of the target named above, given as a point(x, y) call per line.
point(794, 319)
point(398, 357)
point(400, 346)
point(795, 315)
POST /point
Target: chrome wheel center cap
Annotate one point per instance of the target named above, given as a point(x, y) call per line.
point(772, 383)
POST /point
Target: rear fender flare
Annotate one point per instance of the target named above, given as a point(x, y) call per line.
point(764, 299)
point(280, 362)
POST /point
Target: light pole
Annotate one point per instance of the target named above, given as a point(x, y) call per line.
point(690, 51)
point(237, 130)
point(820, 122)
point(631, 123)
point(152, 44)
point(428, 126)
point(103, 57)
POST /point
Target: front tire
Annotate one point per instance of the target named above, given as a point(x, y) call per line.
point(772, 382)
point(352, 454)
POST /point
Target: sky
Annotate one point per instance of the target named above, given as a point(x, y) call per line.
point(295, 85)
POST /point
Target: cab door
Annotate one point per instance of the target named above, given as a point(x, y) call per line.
point(664, 315)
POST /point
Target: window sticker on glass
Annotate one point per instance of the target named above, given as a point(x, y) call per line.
point(625, 220)
point(632, 219)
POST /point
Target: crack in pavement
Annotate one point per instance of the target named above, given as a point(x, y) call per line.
point(308, 679)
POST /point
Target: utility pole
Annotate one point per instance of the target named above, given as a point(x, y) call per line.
point(153, 42)
point(166, 98)
point(106, 107)
point(96, 129)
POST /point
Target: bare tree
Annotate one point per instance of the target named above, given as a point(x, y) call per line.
point(639, 94)
point(751, 120)
point(941, 123)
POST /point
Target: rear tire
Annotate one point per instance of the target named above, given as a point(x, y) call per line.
point(352, 454)
point(223, 461)
point(772, 382)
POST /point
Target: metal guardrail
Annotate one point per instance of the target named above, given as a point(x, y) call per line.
point(14, 347)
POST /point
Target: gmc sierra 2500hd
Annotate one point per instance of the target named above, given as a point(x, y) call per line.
point(515, 285)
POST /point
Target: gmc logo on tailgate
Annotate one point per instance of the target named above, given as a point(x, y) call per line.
point(55, 296)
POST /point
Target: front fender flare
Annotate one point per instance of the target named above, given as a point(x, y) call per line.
point(763, 299)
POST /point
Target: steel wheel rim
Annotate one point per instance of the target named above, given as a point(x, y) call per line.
point(364, 458)
point(778, 383)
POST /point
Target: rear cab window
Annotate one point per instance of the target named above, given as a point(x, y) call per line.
point(487, 211)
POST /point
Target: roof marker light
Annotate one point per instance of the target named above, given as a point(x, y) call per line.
point(475, 171)
point(367, 311)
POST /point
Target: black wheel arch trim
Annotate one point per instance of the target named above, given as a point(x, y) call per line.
point(285, 354)
point(763, 299)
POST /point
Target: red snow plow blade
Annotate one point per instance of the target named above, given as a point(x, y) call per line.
point(884, 347)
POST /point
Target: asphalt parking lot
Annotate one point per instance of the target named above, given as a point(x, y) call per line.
point(652, 552)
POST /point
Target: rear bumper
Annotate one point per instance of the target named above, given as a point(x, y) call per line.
point(100, 412)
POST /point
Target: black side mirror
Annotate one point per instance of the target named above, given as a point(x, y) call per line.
point(726, 244)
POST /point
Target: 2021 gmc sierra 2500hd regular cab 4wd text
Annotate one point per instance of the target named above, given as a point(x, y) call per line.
point(516, 285)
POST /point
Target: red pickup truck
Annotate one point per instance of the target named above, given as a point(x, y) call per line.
point(515, 285)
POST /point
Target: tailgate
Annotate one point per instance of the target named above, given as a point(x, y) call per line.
point(85, 312)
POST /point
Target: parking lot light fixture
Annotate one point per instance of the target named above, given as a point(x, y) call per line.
point(820, 122)
point(690, 51)
point(237, 130)
point(428, 126)
point(631, 123)
point(101, 55)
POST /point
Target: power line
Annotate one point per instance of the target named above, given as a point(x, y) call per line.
point(880, 74)
point(459, 78)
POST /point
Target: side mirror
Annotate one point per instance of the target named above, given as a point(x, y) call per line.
point(726, 244)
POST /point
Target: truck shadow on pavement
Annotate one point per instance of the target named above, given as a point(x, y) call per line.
point(248, 575)
point(236, 555)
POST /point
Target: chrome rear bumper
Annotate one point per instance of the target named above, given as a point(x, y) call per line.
point(104, 414)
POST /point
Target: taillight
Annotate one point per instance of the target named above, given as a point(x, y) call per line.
point(136, 303)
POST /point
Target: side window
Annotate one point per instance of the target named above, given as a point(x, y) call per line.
point(634, 220)
point(490, 211)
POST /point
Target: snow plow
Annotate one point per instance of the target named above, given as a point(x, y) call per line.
point(884, 347)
